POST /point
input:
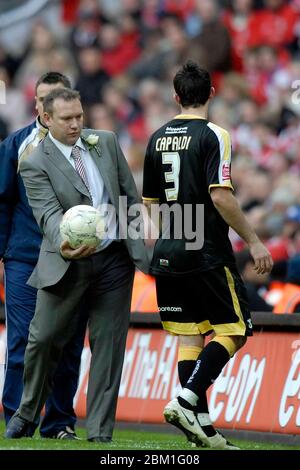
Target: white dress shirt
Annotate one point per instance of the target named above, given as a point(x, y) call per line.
point(96, 186)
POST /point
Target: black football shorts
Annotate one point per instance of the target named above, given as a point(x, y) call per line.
point(214, 300)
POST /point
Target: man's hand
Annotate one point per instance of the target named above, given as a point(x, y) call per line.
point(70, 253)
point(263, 262)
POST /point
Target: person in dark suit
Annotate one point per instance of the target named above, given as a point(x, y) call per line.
point(20, 240)
point(55, 180)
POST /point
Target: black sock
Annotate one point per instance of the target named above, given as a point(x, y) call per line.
point(185, 369)
point(202, 405)
point(207, 368)
point(209, 364)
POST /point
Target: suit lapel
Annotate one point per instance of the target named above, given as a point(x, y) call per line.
point(103, 164)
point(65, 167)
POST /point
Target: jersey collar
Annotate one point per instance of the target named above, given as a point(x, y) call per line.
point(188, 116)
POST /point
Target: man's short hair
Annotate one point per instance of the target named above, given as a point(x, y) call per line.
point(52, 78)
point(65, 94)
point(192, 84)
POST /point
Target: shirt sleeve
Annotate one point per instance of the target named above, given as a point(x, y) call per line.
point(218, 165)
point(151, 177)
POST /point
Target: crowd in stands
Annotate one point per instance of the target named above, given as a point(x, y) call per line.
point(121, 56)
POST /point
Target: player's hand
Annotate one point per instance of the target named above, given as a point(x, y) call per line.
point(82, 251)
point(263, 262)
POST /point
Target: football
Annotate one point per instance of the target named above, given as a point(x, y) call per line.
point(82, 225)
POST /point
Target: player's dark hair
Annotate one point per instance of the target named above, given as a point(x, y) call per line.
point(65, 94)
point(52, 78)
point(192, 84)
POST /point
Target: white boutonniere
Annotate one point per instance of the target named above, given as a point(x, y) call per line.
point(93, 143)
point(92, 139)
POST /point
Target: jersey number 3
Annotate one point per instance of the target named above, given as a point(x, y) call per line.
point(173, 159)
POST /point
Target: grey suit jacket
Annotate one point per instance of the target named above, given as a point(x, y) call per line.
point(53, 186)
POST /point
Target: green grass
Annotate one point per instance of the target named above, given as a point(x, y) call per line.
point(122, 440)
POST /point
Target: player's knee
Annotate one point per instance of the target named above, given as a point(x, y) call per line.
point(239, 341)
point(191, 340)
point(231, 343)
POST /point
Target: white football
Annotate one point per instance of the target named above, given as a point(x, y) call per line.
point(82, 225)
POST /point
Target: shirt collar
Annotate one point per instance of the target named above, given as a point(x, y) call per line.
point(67, 149)
point(189, 116)
point(39, 125)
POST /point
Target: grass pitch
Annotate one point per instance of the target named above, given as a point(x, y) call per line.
point(124, 440)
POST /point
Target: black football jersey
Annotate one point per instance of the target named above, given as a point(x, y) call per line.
point(185, 158)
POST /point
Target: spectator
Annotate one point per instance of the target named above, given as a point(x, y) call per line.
point(14, 114)
point(92, 78)
point(290, 299)
point(256, 284)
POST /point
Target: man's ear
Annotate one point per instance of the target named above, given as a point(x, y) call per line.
point(212, 92)
point(176, 98)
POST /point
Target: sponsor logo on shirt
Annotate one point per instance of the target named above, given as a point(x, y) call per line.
point(226, 171)
point(170, 309)
point(176, 130)
point(164, 262)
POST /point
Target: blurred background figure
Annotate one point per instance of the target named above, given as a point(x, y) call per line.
point(255, 284)
point(290, 299)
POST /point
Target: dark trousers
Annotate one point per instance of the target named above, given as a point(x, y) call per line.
point(20, 302)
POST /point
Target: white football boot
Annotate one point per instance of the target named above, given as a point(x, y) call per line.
point(190, 423)
point(187, 421)
point(218, 441)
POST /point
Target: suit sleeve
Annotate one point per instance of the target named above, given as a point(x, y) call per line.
point(218, 159)
point(46, 208)
point(8, 188)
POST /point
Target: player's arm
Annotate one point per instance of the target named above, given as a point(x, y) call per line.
point(8, 181)
point(218, 177)
point(229, 209)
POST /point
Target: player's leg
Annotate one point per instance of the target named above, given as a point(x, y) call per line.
point(189, 348)
point(229, 317)
point(177, 320)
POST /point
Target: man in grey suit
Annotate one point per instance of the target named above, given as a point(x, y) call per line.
point(55, 181)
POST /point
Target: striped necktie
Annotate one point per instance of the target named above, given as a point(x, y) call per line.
point(79, 166)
